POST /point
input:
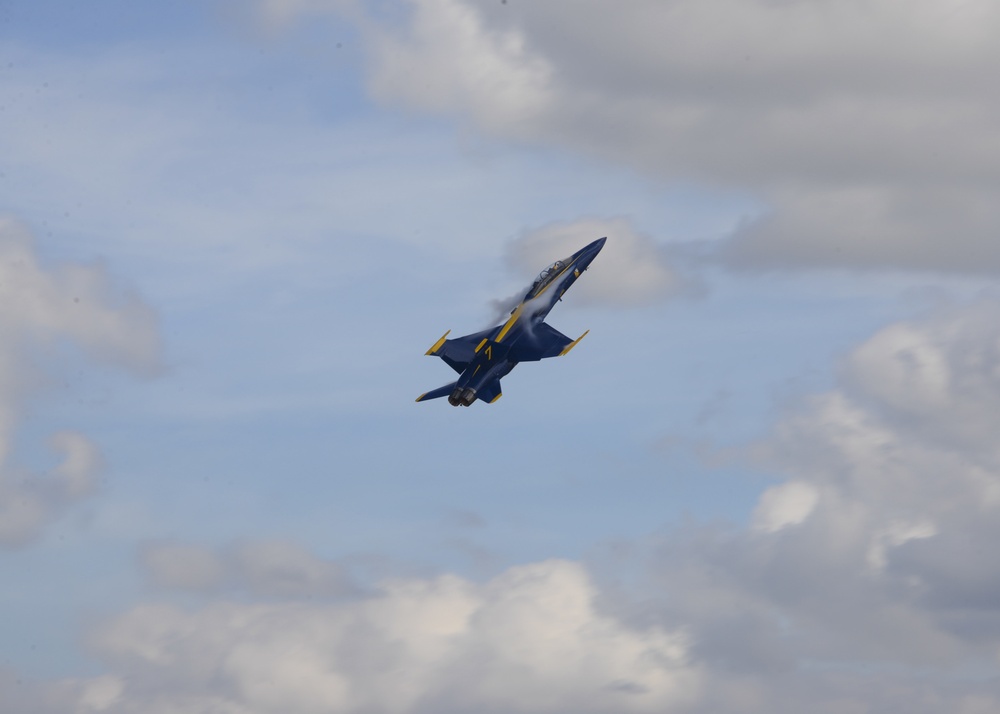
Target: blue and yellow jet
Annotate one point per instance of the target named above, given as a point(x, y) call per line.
point(481, 359)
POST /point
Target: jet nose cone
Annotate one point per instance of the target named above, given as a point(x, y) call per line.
point(590, 250)
point(594, 248)
point(587, 254)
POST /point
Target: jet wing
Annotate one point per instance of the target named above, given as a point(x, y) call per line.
point(459, 352)
point(540, 342)
point(437, 393)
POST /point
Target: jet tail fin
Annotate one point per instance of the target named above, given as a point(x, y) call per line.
point(459, 352)
point(489, 393)
point(437, 393)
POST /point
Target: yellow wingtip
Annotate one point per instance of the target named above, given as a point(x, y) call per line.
point(437, 345)
point(573, 344)
point(496, 397)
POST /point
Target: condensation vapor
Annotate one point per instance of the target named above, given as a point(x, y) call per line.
point(531, 307)
point(500, 309)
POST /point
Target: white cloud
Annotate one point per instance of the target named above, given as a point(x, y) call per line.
point(867, 580)
point(530, 640)
point(449, 61)
point(940, 376)
point(100, 694)
point(904, 457)
point(904, 368)
point(895, 534)
point(41, 309)
point(631, 269)
point(786, 505)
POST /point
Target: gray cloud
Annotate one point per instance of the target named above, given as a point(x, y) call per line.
point(938, 376)
point(869, 128)
point(874, 555)
point(937, 228)
point(28, 501)
point(21, 694)
point(41, 308)
point(264, 568)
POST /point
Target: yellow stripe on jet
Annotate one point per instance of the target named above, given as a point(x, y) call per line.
point(510, 322)
point(480, 345)
point(520, 308)
point(437, 345)
point(573, 344)
point(496, 397)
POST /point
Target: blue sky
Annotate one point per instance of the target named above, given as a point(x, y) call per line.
point(231, 231)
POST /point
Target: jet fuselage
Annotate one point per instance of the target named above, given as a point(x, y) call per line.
point(483, 358)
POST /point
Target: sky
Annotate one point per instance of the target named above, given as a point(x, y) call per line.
point(767, 481)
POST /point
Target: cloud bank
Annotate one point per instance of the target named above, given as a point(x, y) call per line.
point(868, 128)
point(530, 640)
point(864, 582)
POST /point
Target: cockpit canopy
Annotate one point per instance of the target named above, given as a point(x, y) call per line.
point(546, 276)
point(551, 270)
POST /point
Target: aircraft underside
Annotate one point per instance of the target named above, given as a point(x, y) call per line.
point(482, 358)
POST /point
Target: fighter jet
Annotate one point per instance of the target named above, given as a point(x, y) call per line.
point(482, 358)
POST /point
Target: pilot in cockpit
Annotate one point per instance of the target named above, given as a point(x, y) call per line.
point(544, 276)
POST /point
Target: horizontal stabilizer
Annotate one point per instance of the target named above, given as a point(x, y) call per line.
point(437, 393)
point(459, 352)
